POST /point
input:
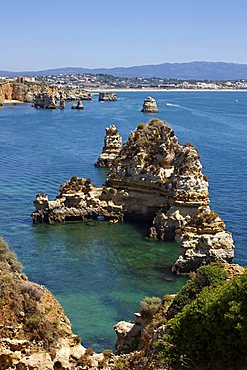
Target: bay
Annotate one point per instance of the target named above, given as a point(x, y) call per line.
point(100, 271)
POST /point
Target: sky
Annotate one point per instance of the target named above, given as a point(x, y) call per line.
point(38, 35)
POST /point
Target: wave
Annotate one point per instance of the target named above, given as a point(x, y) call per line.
point(174, 105)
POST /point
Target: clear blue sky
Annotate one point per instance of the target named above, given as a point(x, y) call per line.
point(104, 33)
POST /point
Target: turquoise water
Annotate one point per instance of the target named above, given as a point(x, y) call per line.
point(100, 271)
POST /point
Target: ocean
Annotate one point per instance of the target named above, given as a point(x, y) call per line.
point(100, 271)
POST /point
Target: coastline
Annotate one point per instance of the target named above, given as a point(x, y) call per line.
point(165, 90)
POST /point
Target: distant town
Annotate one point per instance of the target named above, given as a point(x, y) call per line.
point(104, 81)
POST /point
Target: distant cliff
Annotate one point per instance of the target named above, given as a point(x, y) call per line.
point(25, 92)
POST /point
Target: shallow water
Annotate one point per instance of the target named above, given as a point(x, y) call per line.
point(100, 271)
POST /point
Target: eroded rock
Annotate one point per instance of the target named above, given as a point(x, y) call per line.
point(152, 179)
point(46, 101)
point(111, 149)
point(150, 105)
point(78, 106)
point(107, 96)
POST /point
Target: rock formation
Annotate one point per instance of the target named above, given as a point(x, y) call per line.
point(78, 199)
point(62, 102)
point(150, 105)
point(153, 179)
point(107, 96)
point(112, 147)
point(45, 101)
point(78, 106)
point(203, 239)
point(75, 94)
point(26, 92)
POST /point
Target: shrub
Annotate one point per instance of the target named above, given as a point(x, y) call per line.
point(150, 305)
point(9, 257)
point(141, 126)
point(107, 353)
point(210, 275)
point(211, 331)
point(38, 328)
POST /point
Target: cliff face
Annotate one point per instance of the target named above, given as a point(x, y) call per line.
point(26, 92)
point(157, 172)
point(153, 179)
point(34, 331)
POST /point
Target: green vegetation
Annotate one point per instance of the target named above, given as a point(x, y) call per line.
point(141, 126)
point(210, 275)
point(150, 305)
point(210, 329)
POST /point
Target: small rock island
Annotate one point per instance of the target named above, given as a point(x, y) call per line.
point(150, 105)
point(111, 149)
point(107, 96)
point(46, 101)
point(154, 180)
point(78, 106)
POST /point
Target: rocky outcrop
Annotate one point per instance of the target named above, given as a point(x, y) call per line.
point(150, 105)
point(203, 240)
point(78, 199)
point(26, 92)
point(107, 96)
point(76, 94)
point(46, 101)
point(34, 331)
point(111, 149)
point(78, 106)
point(62, 102)
point(153, 179)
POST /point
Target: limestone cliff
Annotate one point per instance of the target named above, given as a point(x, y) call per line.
point(111, 149)
point(26, 92)
point(34, 331)
point(153, 179)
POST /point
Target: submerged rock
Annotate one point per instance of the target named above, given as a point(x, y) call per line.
point(111, 149)
point(150, 105)
point(155, 180)
point(78, 106)
point(107, 96)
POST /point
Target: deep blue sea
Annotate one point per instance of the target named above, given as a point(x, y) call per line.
point(100, 271)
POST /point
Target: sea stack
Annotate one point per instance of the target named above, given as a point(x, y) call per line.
point(45, 101)
point(62, 103)
point(150, 105)
point(111, 149)
point(155, 180)
point(107, 96)
point(78, 106)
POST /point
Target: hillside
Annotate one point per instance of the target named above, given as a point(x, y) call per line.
point(187, 71)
